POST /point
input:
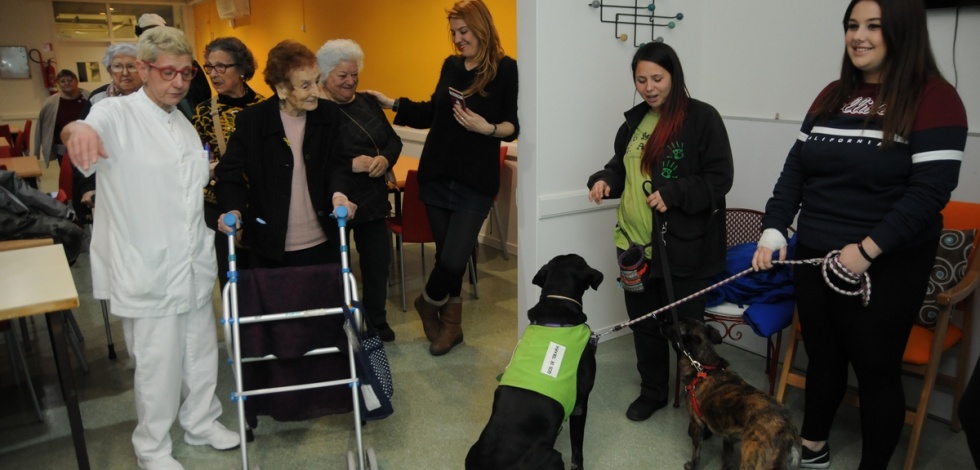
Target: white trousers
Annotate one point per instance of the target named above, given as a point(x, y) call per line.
point(176, 357)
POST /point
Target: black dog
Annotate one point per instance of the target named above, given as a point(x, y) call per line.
point(524, 424)
point(731, 408)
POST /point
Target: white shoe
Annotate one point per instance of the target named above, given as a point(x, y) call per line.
point(163, 463)
point(221, 438)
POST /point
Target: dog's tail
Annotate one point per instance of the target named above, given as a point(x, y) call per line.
point(793, 460)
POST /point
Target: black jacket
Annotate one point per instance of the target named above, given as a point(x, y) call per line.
point(694, 193)
point(255, 175)
point(451, 152)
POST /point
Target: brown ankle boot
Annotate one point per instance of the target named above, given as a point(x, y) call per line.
point(451, 331)
point(430, 317)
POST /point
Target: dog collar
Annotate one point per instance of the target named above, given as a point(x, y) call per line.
point(553, 296)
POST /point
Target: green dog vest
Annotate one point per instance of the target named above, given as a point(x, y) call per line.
point(546, 361)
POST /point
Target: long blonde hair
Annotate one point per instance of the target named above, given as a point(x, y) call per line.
point(477, 18)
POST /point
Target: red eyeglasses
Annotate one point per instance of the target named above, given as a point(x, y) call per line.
point(169, 73)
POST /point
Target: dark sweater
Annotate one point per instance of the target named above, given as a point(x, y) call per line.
point(364, 130)
point(695, 191)
point(451, 152)
point(846, 186)
point(255, 175)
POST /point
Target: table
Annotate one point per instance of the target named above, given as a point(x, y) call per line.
point(35, 281)
point(23, 167)
point(400, 171)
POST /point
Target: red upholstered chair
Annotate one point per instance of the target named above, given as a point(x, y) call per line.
point(411, 226)
point(23, 143)
point(5, 133)
point(65, 176)
point(926, 346)
point(502, 231)
point(5, 152)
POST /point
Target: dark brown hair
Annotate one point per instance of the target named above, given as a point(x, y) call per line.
point(907, 65)
point(284, 58)
point(674, 110)
point(477, 18)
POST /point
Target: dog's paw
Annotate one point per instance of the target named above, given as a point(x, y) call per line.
point(690, 466)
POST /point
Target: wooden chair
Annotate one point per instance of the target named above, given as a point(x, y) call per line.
point(926, 346)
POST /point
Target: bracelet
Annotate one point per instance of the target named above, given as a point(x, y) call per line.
point(865, 253)
point(494, 131)
point(394, 105)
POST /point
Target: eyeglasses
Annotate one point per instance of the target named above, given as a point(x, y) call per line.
point(219, 67)
point(118, 68)
point(169, 73)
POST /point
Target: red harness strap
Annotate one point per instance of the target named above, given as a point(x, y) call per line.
point(694, 383)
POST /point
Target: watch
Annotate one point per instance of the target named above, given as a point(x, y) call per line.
point(394, 105)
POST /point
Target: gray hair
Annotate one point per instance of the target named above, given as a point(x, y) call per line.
point(336, 51)
point(163, 39)
point(123, 48)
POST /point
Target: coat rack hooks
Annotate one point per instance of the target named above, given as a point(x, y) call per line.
point(637, 16)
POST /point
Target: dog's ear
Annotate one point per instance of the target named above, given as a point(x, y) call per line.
point(541, 276)
point(713, 334)
point(595, 278)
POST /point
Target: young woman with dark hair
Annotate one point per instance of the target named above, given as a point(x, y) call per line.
point(672, 155)
point(877, 157)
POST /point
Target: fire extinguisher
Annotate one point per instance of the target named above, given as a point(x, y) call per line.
point(50, 76)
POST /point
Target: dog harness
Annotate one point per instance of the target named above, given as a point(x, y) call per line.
point(546, 361)
point(703, 374)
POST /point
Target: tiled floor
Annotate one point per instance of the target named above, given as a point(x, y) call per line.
point(441, 403)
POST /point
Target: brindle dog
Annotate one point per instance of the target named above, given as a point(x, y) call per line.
point(731, 408)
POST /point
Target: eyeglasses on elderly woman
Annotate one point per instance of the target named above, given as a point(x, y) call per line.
point(118, 68)
point(217, 66)
point(169, 73)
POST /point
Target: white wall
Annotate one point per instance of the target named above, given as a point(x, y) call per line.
point(750, 59)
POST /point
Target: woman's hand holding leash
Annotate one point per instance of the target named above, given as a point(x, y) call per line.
point(656, 202)
point(770, 241)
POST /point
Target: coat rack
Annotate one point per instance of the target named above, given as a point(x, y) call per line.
point(638, 16)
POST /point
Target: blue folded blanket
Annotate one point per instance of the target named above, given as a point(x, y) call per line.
point(768, 294)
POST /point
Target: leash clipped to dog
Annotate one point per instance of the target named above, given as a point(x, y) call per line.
point(829, 264)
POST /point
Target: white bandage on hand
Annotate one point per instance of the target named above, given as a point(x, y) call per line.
point(772, 239)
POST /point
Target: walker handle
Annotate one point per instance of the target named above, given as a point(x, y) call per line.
point(231, 220)
point(341, 214)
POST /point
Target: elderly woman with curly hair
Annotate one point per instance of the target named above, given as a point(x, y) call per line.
point(278, 174)
point(230, 65)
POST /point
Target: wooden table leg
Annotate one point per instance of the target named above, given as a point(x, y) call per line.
point(59, 343)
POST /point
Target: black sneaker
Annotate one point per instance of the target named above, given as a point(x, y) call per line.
point(816, 459)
